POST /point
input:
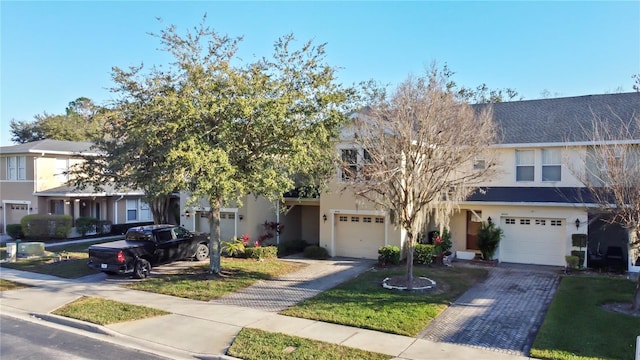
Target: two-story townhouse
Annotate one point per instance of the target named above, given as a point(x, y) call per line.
point(536, 198)
point(33, 181)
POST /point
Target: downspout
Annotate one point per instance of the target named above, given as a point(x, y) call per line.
point(115, 209)
point(278, 222)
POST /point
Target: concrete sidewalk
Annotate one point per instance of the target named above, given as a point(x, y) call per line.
point(197, 329)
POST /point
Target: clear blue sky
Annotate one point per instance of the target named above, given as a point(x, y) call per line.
point(55, 52)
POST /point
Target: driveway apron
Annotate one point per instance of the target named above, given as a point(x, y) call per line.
point(503, 313)
point(280, 293)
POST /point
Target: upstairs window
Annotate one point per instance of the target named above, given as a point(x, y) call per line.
point(479, 163)
point(61, 169)
point(349, 164)
point(16, 168)
point(551, 165)
point(525, 165)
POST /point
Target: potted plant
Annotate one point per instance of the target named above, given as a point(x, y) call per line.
point(442, 245)
point(489, 237)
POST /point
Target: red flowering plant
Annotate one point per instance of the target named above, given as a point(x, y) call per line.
point(442, 244)
point(245, 239)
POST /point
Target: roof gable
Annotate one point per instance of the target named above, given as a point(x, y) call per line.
point(49, 146)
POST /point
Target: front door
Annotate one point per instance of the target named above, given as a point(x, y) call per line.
point(473, 226)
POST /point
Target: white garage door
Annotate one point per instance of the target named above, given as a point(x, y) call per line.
point(533, 241)
point(227, 224)
point(358, 236)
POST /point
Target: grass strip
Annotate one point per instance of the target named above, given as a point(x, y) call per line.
point(103, 311)
point(10, 285)
point(256, 344)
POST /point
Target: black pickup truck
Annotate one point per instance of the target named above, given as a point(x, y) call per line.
point(145, 246)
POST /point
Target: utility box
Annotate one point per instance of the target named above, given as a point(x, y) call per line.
point(27, 249)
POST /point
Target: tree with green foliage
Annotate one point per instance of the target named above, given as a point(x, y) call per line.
point(220, 128)
point(78, 123)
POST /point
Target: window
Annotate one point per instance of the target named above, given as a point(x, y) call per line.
point(145, 211)
point(551, 165)
point(343, 218)
point(132, 210)
point(223, 215)
point(541, 222)
point(525, 222)
point(379, 220)
point(349, 164)
point(556, 222)
point(525, 165)
point(56, 207)
point(231, 216)
point(164, 236)
point(16, 168)
point(366, 219)
point(479, 164)
point(61, 167)
point(355, 219)
point(510, 221)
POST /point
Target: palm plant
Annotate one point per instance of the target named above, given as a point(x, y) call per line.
point(489, 237)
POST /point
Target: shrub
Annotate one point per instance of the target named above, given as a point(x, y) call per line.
point(579, 240)
point(86, 224)
point(316, 252)
point(442, 243)
point(121, 229)
point(489, 237)
point(234, 248)
point(580, 255)
point(572, 261)
point(291, 247)
point(423, 254)
point(46, 226)
point(389, 254)
point(15, 231)
point(261, 253)
point(104, 226)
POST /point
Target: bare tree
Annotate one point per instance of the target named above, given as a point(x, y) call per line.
point(612, 176)
point(424, 151)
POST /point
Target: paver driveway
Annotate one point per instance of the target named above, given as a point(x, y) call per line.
point(503, 313)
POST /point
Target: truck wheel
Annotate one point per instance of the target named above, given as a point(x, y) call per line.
point(202, 252)
point(141, 269)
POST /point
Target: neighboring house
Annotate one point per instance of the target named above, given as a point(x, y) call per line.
point(33, 181)
point(535, 199)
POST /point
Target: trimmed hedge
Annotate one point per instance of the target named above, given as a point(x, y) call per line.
point(389, 254)
point(423, 254)
point(121, 229)
point(86, 224)
point(291, 247)
point(261, 252)
point(15, 231)
point(572, 262)
point(43, 227)
point(580, 255)
point(316, 252)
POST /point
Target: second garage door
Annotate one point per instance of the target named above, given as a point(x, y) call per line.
point(533, 241)
point(358, 236)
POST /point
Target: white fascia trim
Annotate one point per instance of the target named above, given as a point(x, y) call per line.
point(22, 202)
point(568, 143)
point(333, 212)
point(73, 153)
point(89, 194)
point(208, 208)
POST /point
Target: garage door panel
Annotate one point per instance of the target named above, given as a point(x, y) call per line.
point(533, 241)
point(358, 236)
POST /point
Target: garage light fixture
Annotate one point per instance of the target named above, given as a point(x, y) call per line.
point(240, 217)
point(187, 213)
point(577, 223)
point(324, 217)
point(489, 220)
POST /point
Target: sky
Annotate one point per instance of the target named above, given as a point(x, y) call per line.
point(52, 53)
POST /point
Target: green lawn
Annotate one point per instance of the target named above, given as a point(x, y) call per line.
point(10, 285)
point(74, 267)
point(198, 284)
point(103, 311)
point(576, 326)
point(253, 344)
point(364, 303)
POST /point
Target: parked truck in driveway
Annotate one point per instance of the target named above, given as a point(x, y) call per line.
point(147, 246)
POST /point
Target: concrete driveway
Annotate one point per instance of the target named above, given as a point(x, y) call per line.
point(503, 313)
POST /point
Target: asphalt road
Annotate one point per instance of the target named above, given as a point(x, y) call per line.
point(21, 339)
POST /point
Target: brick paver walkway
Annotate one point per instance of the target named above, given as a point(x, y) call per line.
point(503, 313)
point(278, 294)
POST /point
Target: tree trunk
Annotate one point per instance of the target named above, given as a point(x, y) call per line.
point(159, 206)
point(409, 274)
point(214, 237)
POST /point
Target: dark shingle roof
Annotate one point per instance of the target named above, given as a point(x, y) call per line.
point(49, 146)
point(571, 195)
point(561, 119)
point(108, 190)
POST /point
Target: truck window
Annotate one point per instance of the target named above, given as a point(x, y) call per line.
point(164, 236)
point(181, 232)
